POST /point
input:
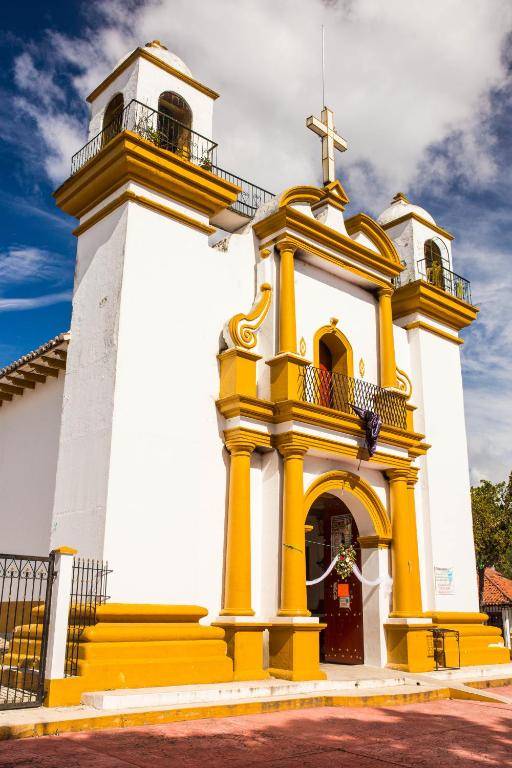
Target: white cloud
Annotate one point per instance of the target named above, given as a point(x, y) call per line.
point(34, 302)
point(402, 76)
point(19, 264)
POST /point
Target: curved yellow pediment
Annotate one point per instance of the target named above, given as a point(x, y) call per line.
point(374, 232)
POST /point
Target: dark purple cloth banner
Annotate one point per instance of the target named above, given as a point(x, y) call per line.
point(372, 424)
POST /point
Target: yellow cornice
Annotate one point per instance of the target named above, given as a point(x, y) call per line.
point(143, 54)
point(245, 436)
point(433, 302)
point(241, 406)
point(374, 232)
point(128, 157)
point(426, 222)
point(332, 193)
point(146, 202)
point(436, 331)
point(292, 224)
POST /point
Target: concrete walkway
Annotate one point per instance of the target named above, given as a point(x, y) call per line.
point(439, 734)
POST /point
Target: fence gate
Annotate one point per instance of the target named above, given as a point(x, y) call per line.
point(25, 597)
point(88, 590)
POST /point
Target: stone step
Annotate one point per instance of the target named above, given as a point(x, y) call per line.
point(176, 695)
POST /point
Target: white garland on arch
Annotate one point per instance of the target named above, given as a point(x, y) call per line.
point(385, 581)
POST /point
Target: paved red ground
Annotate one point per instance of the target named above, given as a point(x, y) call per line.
point(438, 734)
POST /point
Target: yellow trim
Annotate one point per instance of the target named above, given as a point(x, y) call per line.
point(65, 551)
point(132, 197)
point(129, 157)
point(432, 301)
point(58, 726)
point(413, 215)
point(373, 542)
point(242, 328)
point(237, 372)
point(295, 223)
point(332, 193)
point(342, 423)
point(357, 487)
point(374, 232)
point(342, 363)
point(141, 53)
point(404, 383)
point(245, 648)
point(432, 329)
point(260, 439)
point(294, 651)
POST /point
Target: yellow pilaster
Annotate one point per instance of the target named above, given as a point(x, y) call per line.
point(287, 327)
point(293, 559)
point(238, 372)
point(406, 576)
point(387, 344)
point(237, 580)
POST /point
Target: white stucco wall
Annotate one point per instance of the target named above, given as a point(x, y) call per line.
point(29, 439)
point(443, 495)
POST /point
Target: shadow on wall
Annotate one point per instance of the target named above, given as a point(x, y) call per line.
point(442, 733)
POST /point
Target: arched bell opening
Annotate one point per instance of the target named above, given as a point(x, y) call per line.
point(174, 124)
point(436, 261)
point(113, 118)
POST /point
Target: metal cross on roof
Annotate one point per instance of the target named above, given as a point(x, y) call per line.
point(330, 141)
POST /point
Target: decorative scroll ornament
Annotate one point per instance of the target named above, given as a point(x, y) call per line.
point(404, 383)
point(346, 560)
point(241, 330)
point(302, 346)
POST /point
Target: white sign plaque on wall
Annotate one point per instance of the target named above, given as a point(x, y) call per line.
point(444, 581)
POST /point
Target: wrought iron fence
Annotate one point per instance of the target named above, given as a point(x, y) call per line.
point(154, 126)
point(437, 274)
point(338, 391)
point(25, 597)
point(166, 132)
point(446, 648)
point(250, 197)
point(88, 590)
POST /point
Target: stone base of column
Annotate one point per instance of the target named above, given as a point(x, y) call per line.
point(294, 651)
point(245, 647)
point(409, 645)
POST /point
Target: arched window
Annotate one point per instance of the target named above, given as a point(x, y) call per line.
point(113, 117)
point(174, 123)
point(335, 365)
point(436, 261)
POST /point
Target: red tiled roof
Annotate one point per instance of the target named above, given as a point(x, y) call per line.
point(497, 589)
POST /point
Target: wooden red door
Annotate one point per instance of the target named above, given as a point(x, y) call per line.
point(342, 640)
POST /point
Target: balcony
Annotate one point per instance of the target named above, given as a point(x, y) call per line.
point(165, 132)
point(339, 392)
point(437, 274)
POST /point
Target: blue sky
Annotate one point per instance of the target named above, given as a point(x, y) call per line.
point(421, 91)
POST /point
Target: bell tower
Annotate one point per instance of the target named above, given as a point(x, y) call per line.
point(144, 194)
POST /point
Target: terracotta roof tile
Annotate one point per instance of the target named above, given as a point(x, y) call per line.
point(497, 590)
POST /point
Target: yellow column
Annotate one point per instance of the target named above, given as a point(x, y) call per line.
point(237, 579)
point(387, 344)
point(293, 558)
point(287, 329)
point(406, 575)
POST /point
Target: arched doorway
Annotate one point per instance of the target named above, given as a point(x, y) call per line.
point(337, 602)
point(174, 123)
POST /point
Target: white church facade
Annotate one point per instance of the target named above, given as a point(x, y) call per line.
point(195, 426)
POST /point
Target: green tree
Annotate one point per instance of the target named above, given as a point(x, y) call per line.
point(492, 525)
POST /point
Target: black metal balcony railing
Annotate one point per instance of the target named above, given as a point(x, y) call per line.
point(438, 275)
point(166, 132)
point(338, 391)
